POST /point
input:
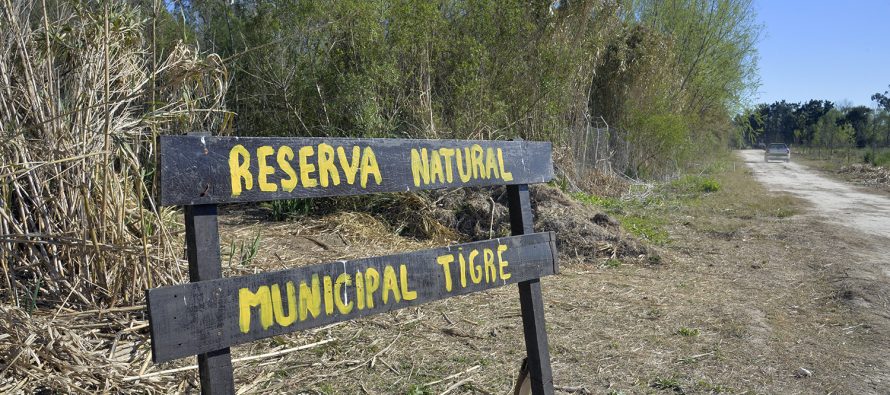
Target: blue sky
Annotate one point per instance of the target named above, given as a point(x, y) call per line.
point(818, 49)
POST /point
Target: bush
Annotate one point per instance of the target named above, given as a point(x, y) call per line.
point(709, 185)
point(882, 159)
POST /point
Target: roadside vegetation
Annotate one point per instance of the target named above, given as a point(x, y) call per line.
point(87, 87)
point(712, 201)
point(865, 167)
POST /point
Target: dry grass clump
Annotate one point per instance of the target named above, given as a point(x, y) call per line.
point(413, 215)
point(74, 352)
point(79, 117)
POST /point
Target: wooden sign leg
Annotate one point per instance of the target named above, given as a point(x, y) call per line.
point(530, 300)
point(202, 247)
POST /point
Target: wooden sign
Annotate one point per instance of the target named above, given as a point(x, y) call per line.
point(210, 170)
point(203, 316)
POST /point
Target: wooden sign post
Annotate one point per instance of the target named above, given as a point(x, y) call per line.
point(210, 314)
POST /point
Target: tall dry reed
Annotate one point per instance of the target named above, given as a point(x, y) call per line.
point(80, 112)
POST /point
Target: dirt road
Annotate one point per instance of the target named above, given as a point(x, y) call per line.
point(836, 201)
point(859, 223)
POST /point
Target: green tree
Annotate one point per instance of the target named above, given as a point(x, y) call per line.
point(833, 132)
point(882, 99)
point(858, 118)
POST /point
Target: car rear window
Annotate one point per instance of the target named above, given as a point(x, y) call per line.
point(777, 146)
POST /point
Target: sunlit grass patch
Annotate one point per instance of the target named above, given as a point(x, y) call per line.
point(607, 203)
point(646, 227)
point(696, 185)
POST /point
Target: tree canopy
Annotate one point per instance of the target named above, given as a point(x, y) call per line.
point(816, 123)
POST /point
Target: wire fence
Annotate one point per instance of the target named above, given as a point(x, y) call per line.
point(601, 148)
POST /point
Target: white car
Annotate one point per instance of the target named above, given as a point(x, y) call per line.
point(777, 151)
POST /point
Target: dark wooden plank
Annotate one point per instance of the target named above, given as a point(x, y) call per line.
point(202, 249)
point(206, 170)
point(531, 302)
point(193, 318)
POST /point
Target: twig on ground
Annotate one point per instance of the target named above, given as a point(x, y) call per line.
point(455, 386)
point(105, 311)
point(431, 383)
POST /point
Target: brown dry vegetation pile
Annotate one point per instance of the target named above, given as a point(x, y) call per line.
point(582, 230)
point(469, 214)
point(66, 351)
point(873, 176)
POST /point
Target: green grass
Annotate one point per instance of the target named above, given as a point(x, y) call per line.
point(327, 389)
point(612, 263)
point(688, 332)
point(560, 182)
point(646, 227)
point(282, 210)
point(32, 303)
point(783, 212)
point(632, 215)
point(667, 384)
point(737, 200)
point(245, 252)
point(606, 203)
point(695, 185)
point(719, 199)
